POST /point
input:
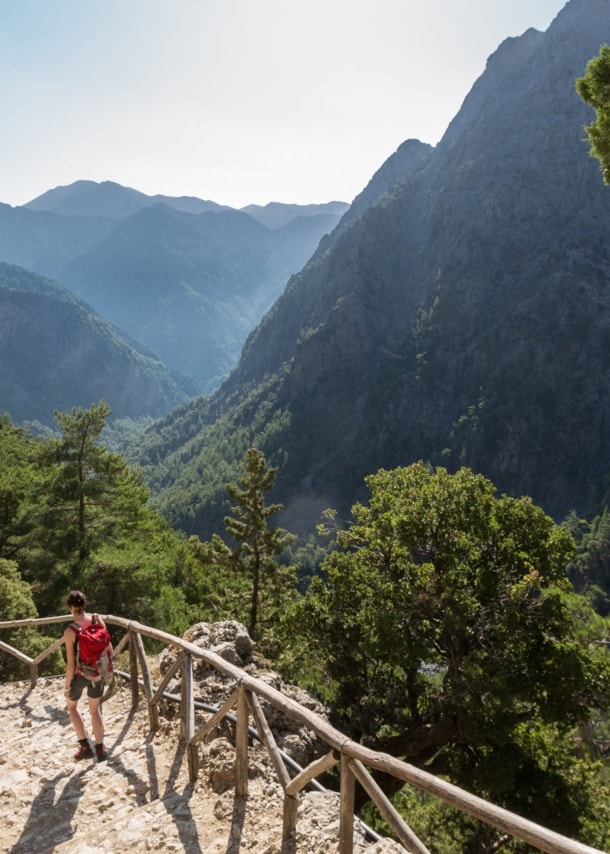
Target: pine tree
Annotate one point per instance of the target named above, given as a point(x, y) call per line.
point(87, 497)
point(258, 546)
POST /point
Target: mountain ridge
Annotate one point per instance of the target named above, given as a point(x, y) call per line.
point(186, 278)
point(110, 199)
point(107, 198)
point(460, 316)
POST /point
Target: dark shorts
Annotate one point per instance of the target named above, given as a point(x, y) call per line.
point(78, 685)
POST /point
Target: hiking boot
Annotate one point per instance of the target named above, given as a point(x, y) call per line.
point(84, 752)
point(100, 752)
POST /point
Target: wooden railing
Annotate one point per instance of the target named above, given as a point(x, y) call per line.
point(354, 758)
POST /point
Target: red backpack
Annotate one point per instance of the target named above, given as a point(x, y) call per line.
point(93, 651)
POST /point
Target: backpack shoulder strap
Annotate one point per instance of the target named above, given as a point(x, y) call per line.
point(75, 628)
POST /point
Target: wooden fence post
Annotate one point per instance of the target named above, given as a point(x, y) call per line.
point(267, 738)
point(170, 673)
point(406, 836)
point(133, 668)
point(241, 745)
point(187, 716)
point(289, 822)
point(346, 817)
point(294, 786)
point(153, 711)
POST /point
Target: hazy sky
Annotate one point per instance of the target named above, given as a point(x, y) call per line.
point(238, 101)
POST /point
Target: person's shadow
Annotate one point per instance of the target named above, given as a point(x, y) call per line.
point(50, 819)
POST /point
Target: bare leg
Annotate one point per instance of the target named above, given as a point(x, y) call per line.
point(76, 719)
point(97, 721)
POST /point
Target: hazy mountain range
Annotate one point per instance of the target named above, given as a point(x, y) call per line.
point(186, 278)
point(56, 353)
point(459, 313)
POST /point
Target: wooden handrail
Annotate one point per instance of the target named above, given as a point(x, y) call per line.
point(405, 834)
point(353, 756)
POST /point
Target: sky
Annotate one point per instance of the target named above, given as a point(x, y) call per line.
point(237, 101)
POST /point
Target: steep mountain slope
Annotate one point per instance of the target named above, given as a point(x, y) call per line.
point(186, 277)
point(192, 286)
point(460, 313)
point(45, 243)
point(55, 353)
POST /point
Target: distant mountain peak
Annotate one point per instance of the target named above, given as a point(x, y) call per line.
point(109, 199)
point(278, 214)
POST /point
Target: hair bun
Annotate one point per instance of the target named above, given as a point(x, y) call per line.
point(76, 599)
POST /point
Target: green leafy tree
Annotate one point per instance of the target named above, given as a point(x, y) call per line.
point(593, 632)
point(144, 576)
point(87, 499)
point(590, 570)
point(446, 830)
point(152, 575)
point(594, 89)
point(442, 635)
point(75, 515)
point(16, 603)
point(254, 557)
point(18, 476)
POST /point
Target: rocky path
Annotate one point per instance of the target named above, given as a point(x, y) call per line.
point(140, 800)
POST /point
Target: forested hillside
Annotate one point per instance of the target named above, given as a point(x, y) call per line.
point(459, 314)
point(56, 353)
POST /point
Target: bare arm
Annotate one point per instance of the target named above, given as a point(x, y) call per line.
point(70, 658)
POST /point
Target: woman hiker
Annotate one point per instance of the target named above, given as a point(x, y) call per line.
point(76, 682)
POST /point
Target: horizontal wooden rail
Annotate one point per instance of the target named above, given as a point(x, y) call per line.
point(353, 756)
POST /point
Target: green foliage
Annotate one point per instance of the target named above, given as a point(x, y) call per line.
point(122, 431)
point(442, 633)
point(18, 474)
point(142, 577)
point(594, 89)
point(308, 554)
point(87, 498)
point(446, 830)
point(15, 595)
point(593, 633)
point(16, 603)
point(76, 515)
point(590, 571)
point(254, 557)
